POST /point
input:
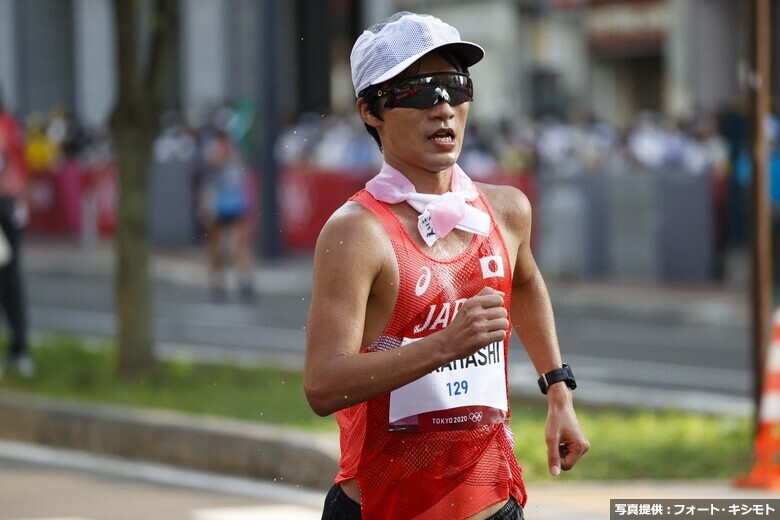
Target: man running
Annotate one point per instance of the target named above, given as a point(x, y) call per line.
point(415, 281)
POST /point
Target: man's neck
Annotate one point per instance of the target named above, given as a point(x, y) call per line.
point(425, 181)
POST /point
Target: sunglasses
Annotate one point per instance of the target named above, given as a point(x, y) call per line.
point(426, 91)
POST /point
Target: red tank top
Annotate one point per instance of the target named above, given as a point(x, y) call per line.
point(445, 464)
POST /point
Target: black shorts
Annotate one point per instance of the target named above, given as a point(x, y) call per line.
point(338, 506)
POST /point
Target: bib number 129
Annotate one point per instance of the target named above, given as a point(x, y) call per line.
point(458, 388)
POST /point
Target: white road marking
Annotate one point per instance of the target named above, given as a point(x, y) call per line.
point(281, 512)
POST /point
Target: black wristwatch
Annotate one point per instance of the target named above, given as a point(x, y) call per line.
point(556, 376)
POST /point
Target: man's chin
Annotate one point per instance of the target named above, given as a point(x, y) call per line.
point(443, 162)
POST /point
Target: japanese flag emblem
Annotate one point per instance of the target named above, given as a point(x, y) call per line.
point(492, 267)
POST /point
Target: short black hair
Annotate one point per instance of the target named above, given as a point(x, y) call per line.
point(376, 107)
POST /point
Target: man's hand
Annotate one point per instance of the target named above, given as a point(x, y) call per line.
point(566, 442)
point(481, 320)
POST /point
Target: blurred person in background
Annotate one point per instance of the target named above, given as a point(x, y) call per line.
point(13, 216)
point(223, 211)
point(409, 325)
point(41, 153)
point(743, 172)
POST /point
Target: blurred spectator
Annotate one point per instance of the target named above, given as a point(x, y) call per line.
point(41, 152)
point(555, 143)
point(516, 146)
point(175, 143)
point(223, 204)
point(743, 169)
point(13, 216)
point(476, 157)
point(338, 145)
point(328, 143)
point(648, 143)
point(98, 188)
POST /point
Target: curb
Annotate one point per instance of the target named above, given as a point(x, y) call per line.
point(209, 444)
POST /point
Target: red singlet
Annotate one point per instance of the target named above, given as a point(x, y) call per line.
point(450, 463)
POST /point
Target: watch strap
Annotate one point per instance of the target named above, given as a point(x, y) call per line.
point(556, 376)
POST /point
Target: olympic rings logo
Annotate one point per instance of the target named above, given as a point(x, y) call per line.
point(475, 416)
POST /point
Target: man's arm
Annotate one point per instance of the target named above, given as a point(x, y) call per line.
point(533, 319)
point(351, 263)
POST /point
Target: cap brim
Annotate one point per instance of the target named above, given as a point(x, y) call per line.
point(467, 52)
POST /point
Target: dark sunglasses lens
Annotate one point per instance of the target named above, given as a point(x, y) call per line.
point(459, 95)
point(410, 97)
point(427, 93)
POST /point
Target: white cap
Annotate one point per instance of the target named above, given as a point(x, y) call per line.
point(386, 49)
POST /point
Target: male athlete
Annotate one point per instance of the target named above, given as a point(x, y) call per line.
point(415, 279)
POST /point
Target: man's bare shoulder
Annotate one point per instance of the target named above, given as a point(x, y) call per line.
point(351, 218)
point(353, 228)
point(510, 205)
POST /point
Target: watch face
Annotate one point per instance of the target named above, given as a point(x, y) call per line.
point(570, 382)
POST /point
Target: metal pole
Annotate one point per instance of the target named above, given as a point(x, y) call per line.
point(270, 236)
point(761, 298)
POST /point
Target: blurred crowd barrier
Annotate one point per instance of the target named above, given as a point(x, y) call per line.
point(72, 178)
point(660, 201)
point(309, 195)
point(637, 225)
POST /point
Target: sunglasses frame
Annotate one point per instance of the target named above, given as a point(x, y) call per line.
point(463, 85)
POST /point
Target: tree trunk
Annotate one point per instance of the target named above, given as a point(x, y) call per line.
point(143, 86)
point(133, 287)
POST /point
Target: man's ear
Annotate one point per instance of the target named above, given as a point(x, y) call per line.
point(365, 113)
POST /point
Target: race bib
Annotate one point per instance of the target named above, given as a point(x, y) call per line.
point(461, 395)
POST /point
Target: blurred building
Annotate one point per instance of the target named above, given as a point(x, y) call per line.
point(63, 52)
point(676, 57)
point(613, 58)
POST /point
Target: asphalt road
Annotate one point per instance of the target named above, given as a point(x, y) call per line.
point(655, 349)
point(38, 483)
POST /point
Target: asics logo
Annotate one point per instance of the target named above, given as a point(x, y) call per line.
point(423, 282)
point(475, 416)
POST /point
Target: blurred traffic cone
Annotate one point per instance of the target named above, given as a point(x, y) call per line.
point(766, 462)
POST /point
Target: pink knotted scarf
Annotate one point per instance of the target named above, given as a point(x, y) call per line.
point(439, 214)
